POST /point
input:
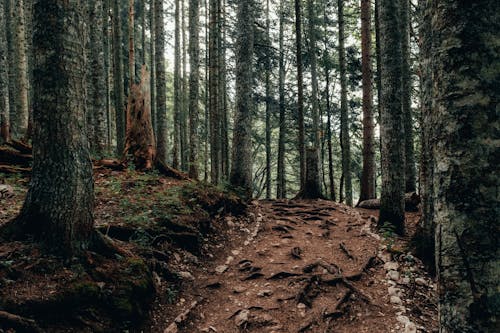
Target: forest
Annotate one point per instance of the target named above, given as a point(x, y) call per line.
point(185, 166)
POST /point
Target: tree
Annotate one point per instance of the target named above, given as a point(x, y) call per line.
point(161, 99)
point(344, 113)
point(131, 43)
point(63, 220)
point(241, 172)
point(406, 91)
point(300, 92)
point(368, 175)
point(281, 187)
point(4, 78)
point(194, 78)
point(118, 79)
point(392, 206)
point(465, 109)
point(213, 87)
point(268, 101)
point(176, 148)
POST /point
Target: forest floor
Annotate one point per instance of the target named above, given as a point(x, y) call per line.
point(278, 266)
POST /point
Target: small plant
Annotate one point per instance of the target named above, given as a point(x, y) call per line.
point(171, 295)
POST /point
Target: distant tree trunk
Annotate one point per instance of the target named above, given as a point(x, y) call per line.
point(19, 120)
point(131, 43)
point(281, 187)
point(314, 75)
point(194, 79)
point(378, 80)
point(241, 172)
point(106, 41)
point(63, 219)
point(176, 148)
point(143, 32)
point(184, 153)
point(392, 205)
point(328, 110)
point(406, 92)
point(368, 175)
point(466, 170)
point(10, 28)
point(4, 78)
point(161, 99)
point(300, 92)
point(118, 79)
point(224, 111)
point(268, 102)
point(152, 64)
point(97, 92)
point(206, 121)
point(344, 112)
point(312, 185)
point(214, 107)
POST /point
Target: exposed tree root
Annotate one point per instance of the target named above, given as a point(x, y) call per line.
point(18, 323)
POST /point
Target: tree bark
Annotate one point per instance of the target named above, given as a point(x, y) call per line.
point(194, 79)
point(241, 172)
point(268, 102)
point(214, 107)
point(131, 43)
point(344, 112)
point(161, 99)
point(184, 153)
point(300, 92)
point(368, 175)
point(176, 147)
point(281, 187)
point(118, 79)
point(63, 219)
point(391, 128)
point(466, 173)
point(312, 185)
point(4, 78)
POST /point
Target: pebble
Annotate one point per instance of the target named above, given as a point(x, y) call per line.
point(405, 280)
point(186, 276)
point(235, 252)
point(393, 291)
point(410, 327)
point(239, 290)
point(221, 269)
point(393, 275)
point(172, 328)
point(241, 318)
point(396, 300)
point(265, 293)
point(229, 260)
point(403, 319)
point(391, 266)
point(301, 306)
point(421, 282)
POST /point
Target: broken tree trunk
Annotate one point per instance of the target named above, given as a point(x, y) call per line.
point(312, 186)
point(140, 146)
point(412, 202)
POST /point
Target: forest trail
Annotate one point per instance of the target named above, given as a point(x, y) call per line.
point(307, 266)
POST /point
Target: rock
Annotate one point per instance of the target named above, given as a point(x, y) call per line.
point(229, 260)
point(406, 280)
point(393, 275)
point(403, 319)
point(421, 282)
point(186, 276)
point(410, 327)
point(172, 328)
point(221, 269)
point(242, 318)
point(239, 290)
point(301, 306)
point(265, 293)
point(235, 252)
point(393, 291)
point(391, 266)
point(396, 300)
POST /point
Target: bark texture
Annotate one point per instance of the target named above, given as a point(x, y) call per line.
point(176, 144)
point(161, 98)
point(119, 95)
point(241, 172)
point(466, 170)
point(300, 91)
point(281, 187)
point(368, 175)
point(391, 127)
point(60, 202)
point(4, 78)
point(194, 89)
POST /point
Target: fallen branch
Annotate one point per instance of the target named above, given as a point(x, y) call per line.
point(18, 323)
point(20, 146)
point(346, 251)
point(13, 169)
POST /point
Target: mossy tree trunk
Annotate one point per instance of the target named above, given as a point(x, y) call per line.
point(59, 205)
point(241, 172)
point(466, 177)
point(392, 209)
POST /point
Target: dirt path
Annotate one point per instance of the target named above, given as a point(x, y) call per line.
point(307, 267)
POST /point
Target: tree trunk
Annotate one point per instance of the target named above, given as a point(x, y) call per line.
point(176, 148)
point(391, 127)
point(215, 149)
point(368, 175)
point(106, 41)
point(312, 186)
point(63, 220)
point(300, 92)
point(152, 64)
point(466, 173)
point(161, 99)
point(241, 172)
point(131, 43)
point(344, 113)
point(4, 79)
point(268, 102)
point(194, 79)
point(118, 79)
point(406, 92)
point(184, 153)
point(97, 98)
point(281, 187)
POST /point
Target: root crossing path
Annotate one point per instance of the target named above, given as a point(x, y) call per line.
point(304, 266)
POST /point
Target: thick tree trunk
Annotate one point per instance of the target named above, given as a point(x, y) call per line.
point(281, 187)
point(466, 78)
point(368, 175)
point(406, 92)
point(241, 172)
point(224, 119)
point(161, 98)
point(268, 102)
point(152, 64)
point(391, 128)
point(300, 92)
point(131, 43)
point(344, 112)
point(214, 107)
point(312, 185)
point(119, 99)
point(106, 48)
point(194, 79)
point(176, 147)
point(184, 153)
point(4, 78)
point(140, 142)
point(63, 219)
point(97, 98)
